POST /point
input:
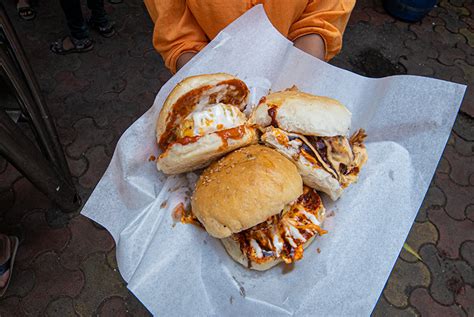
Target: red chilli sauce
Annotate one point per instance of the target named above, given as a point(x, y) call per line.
point(186, 103)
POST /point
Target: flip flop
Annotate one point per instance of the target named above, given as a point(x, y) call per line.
point(26, 12)
point(9, 264)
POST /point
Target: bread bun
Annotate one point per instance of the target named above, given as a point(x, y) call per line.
point(299, 112)
point(216, 101)
point(244, 189)
point(283, 237)
point(199, 90)
point(180, 158)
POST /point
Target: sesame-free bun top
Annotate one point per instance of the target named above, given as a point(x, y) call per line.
point(243, 189)
point(299, 112)
point(196, 90)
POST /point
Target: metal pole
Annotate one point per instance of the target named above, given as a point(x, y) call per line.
point(22, 153)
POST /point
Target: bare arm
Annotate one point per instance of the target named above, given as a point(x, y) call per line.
point(312, 44)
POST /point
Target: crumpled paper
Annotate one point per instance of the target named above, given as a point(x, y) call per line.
point(178, 270)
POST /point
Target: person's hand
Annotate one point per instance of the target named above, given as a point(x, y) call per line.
point(312, 44)
point(183, 59)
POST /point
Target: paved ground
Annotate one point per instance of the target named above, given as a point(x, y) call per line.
point(94, 97)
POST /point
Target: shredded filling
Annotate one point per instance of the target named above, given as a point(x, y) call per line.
point(339, 156)
point(283, 236)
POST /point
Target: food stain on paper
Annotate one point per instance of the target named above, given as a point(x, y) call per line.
point(241, 287)
point(164, 204)
point(152, 158)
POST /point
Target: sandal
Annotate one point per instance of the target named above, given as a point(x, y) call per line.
point(107, 30)
point(8, 265)
point(79, 46)
point(26, 12)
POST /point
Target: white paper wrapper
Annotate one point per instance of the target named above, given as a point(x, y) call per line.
point(178, 270)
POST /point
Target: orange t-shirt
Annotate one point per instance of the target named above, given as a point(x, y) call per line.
point(188, 25)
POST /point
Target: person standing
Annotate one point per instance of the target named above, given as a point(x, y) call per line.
point(79, 41)
point(184, 27)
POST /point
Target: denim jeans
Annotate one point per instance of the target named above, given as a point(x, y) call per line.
point(75, 20)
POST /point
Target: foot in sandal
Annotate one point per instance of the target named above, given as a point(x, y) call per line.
point(25, 11)
point(8, 248)
point(69, 44)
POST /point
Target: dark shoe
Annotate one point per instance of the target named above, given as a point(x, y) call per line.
point(26, 13)
point(79, 46)
point(106, 30)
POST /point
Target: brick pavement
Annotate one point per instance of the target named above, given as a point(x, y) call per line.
point(94, 97)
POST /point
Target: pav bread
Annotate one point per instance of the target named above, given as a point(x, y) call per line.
point(311, 131)
point(201, 120)
point(254, 200)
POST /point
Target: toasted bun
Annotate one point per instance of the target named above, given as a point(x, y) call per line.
point(303, 113)
point(244, 189)
point(314, 177)
point(233, 249)
point(185, 158)
point(190, 84)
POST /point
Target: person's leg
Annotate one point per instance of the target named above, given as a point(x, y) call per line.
point(79, 41)
point(98, 14)
point(75, 21)
point(99, 20)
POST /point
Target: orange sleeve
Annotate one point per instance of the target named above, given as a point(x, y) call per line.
point(176, 30)
point(327, 18)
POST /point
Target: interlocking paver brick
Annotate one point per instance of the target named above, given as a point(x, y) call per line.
point(462, 146)
point(384, 308)
point(77, 167)
point(101, 160)
point(470, 212)
point(420, 234)
point(11, 307)
point(61, 307)
point(467, 252)
point(101, 283)
point(85, 239)
point(452, 233)
point(469, 35)
point(461, 167)
point(40, 238)
point(465, 300)
point(23, 283)
point(458, 197)
point(463, 127)
point(426, 306)
point(434, 199)
point(113, 306)
point(36, 200)
point(52, 281)
point(405, 277)
point(448, 277)
point(88, 135)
